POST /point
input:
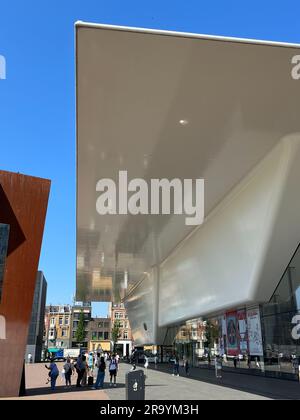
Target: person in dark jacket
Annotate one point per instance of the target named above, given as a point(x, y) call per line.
point(187, 367)
point(53, 373)
point(134, 357)
point(101, 365)
point(80, 369)
point(176, 365)
point(235, 362)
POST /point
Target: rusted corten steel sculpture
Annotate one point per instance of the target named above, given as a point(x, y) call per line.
point(23, 206)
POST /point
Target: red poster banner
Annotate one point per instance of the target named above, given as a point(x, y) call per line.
point(232, 333)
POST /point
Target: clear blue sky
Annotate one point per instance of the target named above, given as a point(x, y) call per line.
point(37, 101)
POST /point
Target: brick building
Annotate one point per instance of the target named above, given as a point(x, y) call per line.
point(118, 314)
point(99, 335)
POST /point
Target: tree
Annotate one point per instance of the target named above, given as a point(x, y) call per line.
point(211, 336)
point(115, 333)
point(80, 332)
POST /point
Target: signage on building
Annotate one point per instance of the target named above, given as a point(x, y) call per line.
point(232, 334)
point(243, 333)
point(254, 332)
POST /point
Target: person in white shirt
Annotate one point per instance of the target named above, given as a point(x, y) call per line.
point(146, 365)
point(113, 370)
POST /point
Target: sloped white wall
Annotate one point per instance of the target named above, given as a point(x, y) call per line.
point(239, 254)
point(236, 257)
point(142, 309)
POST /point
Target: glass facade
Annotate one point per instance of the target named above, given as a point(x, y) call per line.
point(281, 323)
point(4, 236)
point(36, 327)
point(262, 339)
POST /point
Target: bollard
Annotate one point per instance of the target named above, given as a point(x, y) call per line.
point(135, 385)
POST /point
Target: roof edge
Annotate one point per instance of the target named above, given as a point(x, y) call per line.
point(81, 24)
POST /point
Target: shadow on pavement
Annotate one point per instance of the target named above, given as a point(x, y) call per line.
point(277, 389)
point(33, 392)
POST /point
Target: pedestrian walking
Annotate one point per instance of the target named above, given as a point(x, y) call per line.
point(155, 361)
point(91, 361)
point(101, 373)
point(257, 364)
point(80, 369)
point(146, 364)
point(53, 373)
point(85, 373)
point(249, 361)
point(113, 370)
point(134, 356)
point(235, 362)
point(63, 374)
point(176, 365)
point(29, 358)
point(218, 367)
point(146, 360)
point(68, 368)
point(96, 363)
point(187, 367)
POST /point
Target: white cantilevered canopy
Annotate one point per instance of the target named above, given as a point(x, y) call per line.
point(169, 105)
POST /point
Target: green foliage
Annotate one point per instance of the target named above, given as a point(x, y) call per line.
point(80, 332)
point(211, 334)
point(115, 332)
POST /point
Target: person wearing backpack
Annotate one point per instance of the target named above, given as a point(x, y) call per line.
point(68, 368)
point(113, 370)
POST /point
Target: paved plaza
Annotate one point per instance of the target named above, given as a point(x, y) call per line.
point(161, 385)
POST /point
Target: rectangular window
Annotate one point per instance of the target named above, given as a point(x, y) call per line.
point(4, 235)
point(100, 335)
point(125, 335)
point(60, 321)
point(100, 325)
point(52, 322)
point(106, 335)
point(66, 320)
